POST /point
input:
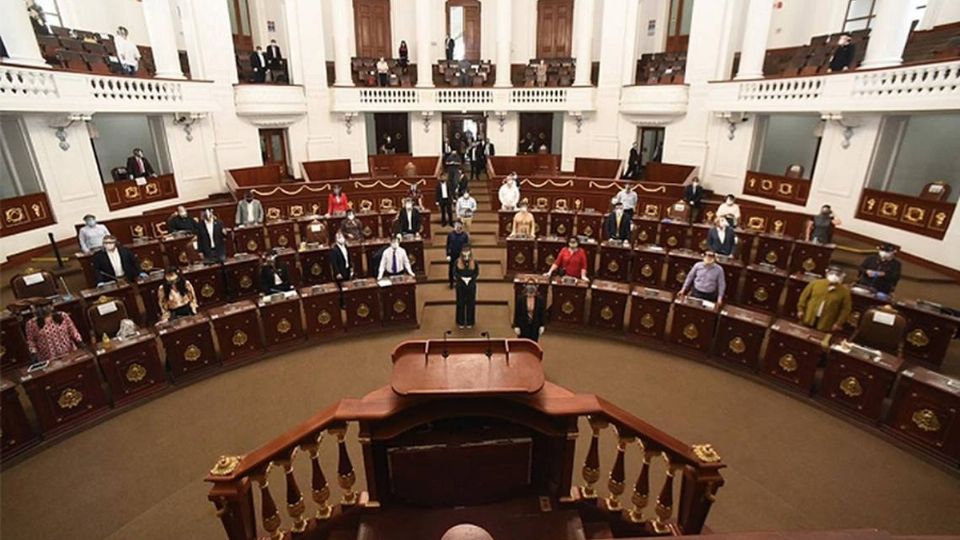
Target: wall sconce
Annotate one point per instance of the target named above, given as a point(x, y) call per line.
point(848, 125)
point(501, 117)
point(732, 119)
point(348, 121)
point(187, 120)
point(578, 117)
point(427, 116)
point(62, 123)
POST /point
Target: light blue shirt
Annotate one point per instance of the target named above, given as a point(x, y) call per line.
point(91, 238)
point(706, 279)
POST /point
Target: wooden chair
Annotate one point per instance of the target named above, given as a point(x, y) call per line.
point(72, 60)
point(71, 44)
point(119, 173)
point(679, 211)
point(794, 170)
point(105, 315)
point(316, 232)
point(97, 63)
point(881, 328)
point(34, 283)
point(935, 191)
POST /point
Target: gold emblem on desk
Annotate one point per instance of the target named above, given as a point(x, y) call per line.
point(606, 313)
point(239, 338)
point(809, 264)
point(135, 372)
point(737, 345)
point(225, 465)
point(918, 338)
point(283, 241)
point(367, 231)
point(146, 265)
point(399, 306)
point(192, 353)
point(938, 220)
point(273, 213)
point(316, 269)
point(785, 189)
point(672, 241)
point(850, 387)
point(926, 420)
point(705, 453)
point(703, 245)
point(152, 189)
point(643, 236)
point(131, 192)
point(889, 209)
point(14, 215)
point(778, 226)
point(690, 331)
point(138, 231)
point(207, 290)
point(71, 397)
point(296, 211)
point(760, 294)
point(252, 245)
point(681, 276)
point(550, 259)
point(646, 271)
point(647, 321)
point(519, 258)
point(771, 257)
point(324, 318)
point(915, 215)
point(567, 307)
point(561, 229)
point(766, 184)
point(284, 326)
point(183, 258)
point(246, 282)
point(588, 231)
point(613, 266)
point(788, 363)
point(363, 311)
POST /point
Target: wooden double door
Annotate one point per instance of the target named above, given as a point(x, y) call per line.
point(372, 27)
point(463, 26)
point(554, 28)
point(273, 149)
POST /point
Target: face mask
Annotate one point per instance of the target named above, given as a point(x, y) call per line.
point(721, 224)
point(572, 247)
point(109, 247)
point(618, 212)
point(91, 222)
point(349, 216)
point(886, 255)
point(172, 280)
point(466, 254)
point(708, 261)
point(341, 240)
point(833, 278)
point(729, 201)
point(409, 206)
point(182, 213)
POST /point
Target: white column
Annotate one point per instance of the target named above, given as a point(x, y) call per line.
point(341, 42)
point(888, 34)
point(584, 56)
point(424, 58)
point(504, 27)
point(755, 33)
point(18, 36)
point(163, 38)
point(628, 74)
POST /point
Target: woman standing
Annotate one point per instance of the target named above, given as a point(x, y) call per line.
point(176, 296)
point(404, 55)
point(528, 313)
point(51, 333)
point(465, 274)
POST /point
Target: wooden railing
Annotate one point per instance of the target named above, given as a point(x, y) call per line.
point(24, 213)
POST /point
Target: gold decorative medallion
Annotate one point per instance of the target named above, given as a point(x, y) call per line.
point(647, 321)
point(757, 223)
point(643, 236)
point(788, 363)
point(152, 189)
point(889, 209)
point(550, 259)
point(766, 184)
point(705, 453)
point(612, 266)
point(851, 387)
point(778, 226)
point(737, 345)
point(296, 210)
point(139, 231)
point(14, 215)
point(246, 282)
point(135, 372)
point(239, 338)
point(207, 290)
point(915, 215)
point(131, 192)
point(938, 220)
point(71, 397)
point(316, 269)
point(561, 229)
point(588, 231)
point(703, 245)
point(681, 276)
point(183, 258)
point(273, 213)
point(367, 231)
point(760, 294)
point(690, 331)
point(606, 313)
point(672, 241)
point(225, 465)
point(785, 189)
point(146, 265)
point(567, 307)
point(283, 241)
point(809, 264)
point(771, 257)
point(519, 258)
point(363, 311)
point(284, 326)
point(192, 353)
point(252, 245)
point(926, 420)
point(399, 306)
point(918, 338)
point(646, 271)
point(324, 318)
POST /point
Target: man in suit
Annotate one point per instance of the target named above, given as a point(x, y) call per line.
point(273, 55)
point(409, 218)
point(633, 163)
point(488, 149)
point(448, 45)
point(341, 267)
point(617, 224)
point(477, 159)
point(693, 194)
point(115, 262)
point(721, 239)
point(394, 261)
point(445, 195)
point(138, 166)
point(180, 221)
point(456, 239)
point(249, 211)
point(211, 238)
point(881, 271)
point(274, 276)
point(258, 61)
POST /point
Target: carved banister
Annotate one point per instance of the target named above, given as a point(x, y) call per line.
point(664, 507)
point(234, 504)
point(591, 466)
point(345, 473)
point(641, 489)
point(654, 439)
point(318, 482)
point(295, 504)
point(269, 514)
point(617, 475)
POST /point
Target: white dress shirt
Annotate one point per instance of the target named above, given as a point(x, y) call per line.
point(387, 262)
point(127, 52)
point(443, 191)
point(722, 233)
point(343, 250)
point(627, 198)
point(114, 257)
point(509, 196)
point(209, 226)
point(250, 217)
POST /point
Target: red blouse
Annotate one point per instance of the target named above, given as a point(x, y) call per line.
point(337, 204)
point(573, 263)
point(53, 339)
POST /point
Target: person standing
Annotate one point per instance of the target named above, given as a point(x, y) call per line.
point(444, 195)
point(541, 73)
point(881, 271)
point(843, 56)
point(50, 334)
point(115, 262)
point(175, 296)
point(408, 220)
point(404, 55)
point(211, 238)
point(337, 202)
point(528, 313)
point(341, 267)
point(127, 52)
point(258, 62)
point(274, 275)
point(249, 211)
point(466, 207)
point(448, 45)
point(729, 210)
point(571, 261)
point(617, 225)
point(181, 222)
point(820, 228)
point(394, 260)
point(91, 235)
point(351, 227)
point(477, 159)
point(693, 194)
point(138, 166)
point(524, 224)
point(274, 57)
point(825, 304)
point(465, 272)
point(721, 238)
point(383, 72)
point(627, 196)
point(452, 163)
point(509, 193)
point(705, 280)
point(456, 239)
point(633, 163)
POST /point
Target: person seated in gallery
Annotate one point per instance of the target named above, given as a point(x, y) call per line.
point(211, 237)
point(138, 166)
point(509, 193)
point(50, 333)
point(705, 280)
point(115, 262)
point(408, 219)
point(394, 260)
point(175, 296)
point(127, 53)
point(571, 261)
point(721, 238)
point(91, 235)
point(693, 194)
point(181, 222)
point(524, 225)
point(820, 228)
point(249, 211)
point(825, 304)
point(337, 202)
point(529, 313)
point(617, 225)
point(881, 271)
point(274, 275)
point(351, 227)
point(729, 210)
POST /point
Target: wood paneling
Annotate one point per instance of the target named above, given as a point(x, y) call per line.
point(913, 214)
point(554, 28)
point(776, 187)
point(126, 193)
point(596, 167)
point(329, 169)
point(471, 26)
point(372, 24)
point(397, 126)
point(18, 214)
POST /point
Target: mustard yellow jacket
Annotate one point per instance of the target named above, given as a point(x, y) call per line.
point(837, 304)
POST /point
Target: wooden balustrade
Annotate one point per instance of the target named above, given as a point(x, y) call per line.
point(25, 213)
point(127, 193)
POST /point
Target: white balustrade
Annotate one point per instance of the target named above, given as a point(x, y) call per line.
point(393, 96)
point(135, 89)
point(27, 83)
point(470, 96)
point(538, 95)
point(926, 79)
point(781, 89)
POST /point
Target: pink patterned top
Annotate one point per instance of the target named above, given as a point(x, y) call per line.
point(53, 339)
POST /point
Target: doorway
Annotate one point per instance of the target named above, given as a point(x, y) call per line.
point(536, 131)
point(393, 125)
point(678, 25)
point(463, 26)
point(651, 144)
point(372, 28)
point(554, 28)
point(273, 149)
point(462, 129)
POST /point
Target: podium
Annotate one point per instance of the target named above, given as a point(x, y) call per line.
point(16, 353)
point(590, 249)
point(929, 331)
point(644, 230)
point(541, 281)
point(796, 283)
point(208, 284)
point(238, 331)
point(810, 257)
point(249, 239)
point(188, 344)
point(520, 255)
point(924, 412)
point(243, 275)
point(369, 224)
point(698, 236)
point(793, 352)
point(679, 263)
point(608, 304)
point(648, 312)
point(505, 223)
point(315, 261)
point(18, 434)
point(132, 367)
point(615, 258)
point(590, 224)
point(740, 335)
point(398, 301)
point(117, 290)
point(66, 392)
point(857, 380)
point(694, 321)
point(673, 234)
point(280, 315)
point(149, 253)
point(414, 246)
point(569, 300)
point(281, 233)
point(362, 302)
point(561, 222)
point(732, 271)
point(648, 262)
point(371, 248)
point(862, 299)
point(548, 248)
point(773, 249)
point(321, 305)
point(179, 249)
point(763, 286)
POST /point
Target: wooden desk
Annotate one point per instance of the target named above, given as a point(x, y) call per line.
point(732, 271)
point(188, 344)
point(928, 332)
point(85, 260)
point(371, 249)
point(644, 230)
point(132, 367)
point(281, 233)
point(505, 223)
point(763, 286)
point(924, 412)
point(591, 249)
point(179, 248)
point(541, 281)
point(362, 302)
point(747, 239)
point(314, 232)
point(810, 257)
point(548, 248)
point(398, 301)
point(561, 222)
point(281, 317)
point(207, 281)
point(148, 287)
point(117, 290)
point(369, 224)
point(698, 236)
point(18, 434)
point(615, 258)
point(793, 352)
point(569, 300)
point(242, 272)
point(773, 249)
point(541, 217)
point(238, 331)
point(863, 299)
point(648, 312)
point(315, 261)
point(590, 224)
point(857, 380)
point(520, 255)
point(14, 352)
point(740, 336)
point(608, 304)
point(694, 321)
point(414, 246)
point(648, 262)
point(249, 239)
point(679, 263)
point(65, 393)
point(149, 252)
point(796, 283)
point(321, 305)
point(673, 234)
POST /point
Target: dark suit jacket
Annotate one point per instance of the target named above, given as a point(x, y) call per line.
point(529, 327)
point(209, 249)
point(134, 170)
point(634, 158)
point(176, 223)
point(610, 227)
point(694, 199)
point(721, 248)
point(255, 61)
point(338, 264)
point(489, 149)
point(104, 270)
point(885, 283)
point(273, 55)
point(451, 191)
point(269, 285)
point(413, 227)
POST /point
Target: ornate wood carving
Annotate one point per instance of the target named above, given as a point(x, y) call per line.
point(913, 214)
point(127, 193)
point(24, 213)
point(776, 187)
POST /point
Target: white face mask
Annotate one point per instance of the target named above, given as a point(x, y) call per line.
point(886, 255)
point(91, 222)
point(409, 206)
point(618, 212)
point(350, 216)
point(833, 278)
point(341, 240)
point(182, 213)
point(722, 224)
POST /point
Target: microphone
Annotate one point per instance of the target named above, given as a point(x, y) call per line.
point(446, 352)
point(489, 345)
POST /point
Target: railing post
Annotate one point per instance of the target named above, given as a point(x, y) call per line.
point(346, 475)
point(591, 467)
point(617, 475)
point(269, 514)
point(318, 482)
point(295, 503)
point(233, 500)
point(664, 507)
point(699, 489)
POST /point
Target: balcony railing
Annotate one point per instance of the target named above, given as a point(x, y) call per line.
point(459, 99)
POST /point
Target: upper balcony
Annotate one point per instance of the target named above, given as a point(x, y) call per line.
point(352, 99)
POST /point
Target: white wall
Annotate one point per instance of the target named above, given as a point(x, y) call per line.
point(794, 22)
point(105, 16)
point(652, 10)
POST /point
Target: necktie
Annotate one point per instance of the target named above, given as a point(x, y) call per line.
point(618, 224)
point(394, 261)
point(140, 165)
